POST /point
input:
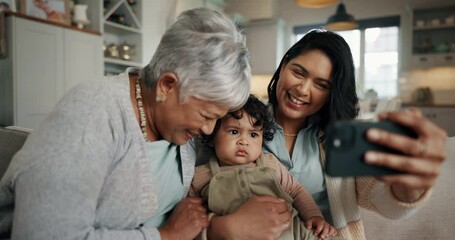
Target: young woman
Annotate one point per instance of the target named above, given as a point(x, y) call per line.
point(314, 85)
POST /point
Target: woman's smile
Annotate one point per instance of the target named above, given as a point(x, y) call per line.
point(296, 100)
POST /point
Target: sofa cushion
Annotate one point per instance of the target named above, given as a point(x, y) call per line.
point(11, 140)
point(436, 219)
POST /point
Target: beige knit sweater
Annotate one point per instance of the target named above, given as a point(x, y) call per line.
point(303, 201)
point(346, 195)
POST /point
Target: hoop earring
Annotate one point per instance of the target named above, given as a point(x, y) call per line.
point(160, 98)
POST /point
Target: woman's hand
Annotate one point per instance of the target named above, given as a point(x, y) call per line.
point(186, 221)
point(321, 228)
point(423, 156)
point(262, 217)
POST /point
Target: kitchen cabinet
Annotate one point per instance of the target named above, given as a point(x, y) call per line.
point(443, 116)
point(265, 51)
point(83, 58)
point(43, 62)
point(433, 59)
point(433, 37)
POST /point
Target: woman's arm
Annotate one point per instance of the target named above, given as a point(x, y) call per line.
point(187, 220)
point(262, 218)
point(61, 173)
point(421, 164)
point(303, 201)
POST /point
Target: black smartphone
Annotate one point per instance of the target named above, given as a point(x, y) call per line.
point(346, 145)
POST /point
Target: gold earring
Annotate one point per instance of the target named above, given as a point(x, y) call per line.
point(160, 98)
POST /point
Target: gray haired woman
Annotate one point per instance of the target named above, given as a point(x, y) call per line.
point(112, 161)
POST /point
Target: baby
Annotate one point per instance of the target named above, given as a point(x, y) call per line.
point(239, 170)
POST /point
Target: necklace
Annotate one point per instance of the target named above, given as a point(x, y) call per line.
point(140, 107)
point(290, 134)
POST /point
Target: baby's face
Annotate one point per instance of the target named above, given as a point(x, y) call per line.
point(237, 141)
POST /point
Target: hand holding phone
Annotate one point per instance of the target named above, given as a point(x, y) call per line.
point(346, 145)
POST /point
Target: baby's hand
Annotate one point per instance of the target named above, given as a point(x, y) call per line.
point(321, 228)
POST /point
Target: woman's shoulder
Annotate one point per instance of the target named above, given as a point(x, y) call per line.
point(104, 86)
point(98, 95)
point(94, 107)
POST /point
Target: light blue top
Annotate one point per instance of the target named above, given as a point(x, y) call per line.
point(165, 169)
point(304, 164)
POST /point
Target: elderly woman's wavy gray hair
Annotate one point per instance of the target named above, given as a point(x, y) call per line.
point(207, 52)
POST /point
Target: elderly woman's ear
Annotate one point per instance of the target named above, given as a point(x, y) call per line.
point(167, 84)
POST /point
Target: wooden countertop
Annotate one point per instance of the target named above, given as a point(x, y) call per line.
point(21, 15)
point(428, 105)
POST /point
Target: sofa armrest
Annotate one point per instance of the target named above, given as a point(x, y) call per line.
point(11, 140)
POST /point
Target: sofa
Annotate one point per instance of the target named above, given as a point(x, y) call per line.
point(436, 220)
point(11, 140)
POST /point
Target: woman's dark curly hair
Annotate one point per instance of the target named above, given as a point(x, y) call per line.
point(255, 109)
point(343, 101)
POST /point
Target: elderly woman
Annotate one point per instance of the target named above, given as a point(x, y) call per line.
point(111, 161)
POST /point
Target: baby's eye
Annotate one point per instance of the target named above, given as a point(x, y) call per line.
point(233, 132)
point(254, 135)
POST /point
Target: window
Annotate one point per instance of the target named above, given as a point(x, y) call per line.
point(374, 47)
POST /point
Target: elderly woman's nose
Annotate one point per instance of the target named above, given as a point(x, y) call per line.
point(208, 127)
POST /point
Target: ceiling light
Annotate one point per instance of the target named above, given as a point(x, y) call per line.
point(314, 3)
point(341, 20)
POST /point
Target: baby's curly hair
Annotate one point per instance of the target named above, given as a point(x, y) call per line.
point(256, 109)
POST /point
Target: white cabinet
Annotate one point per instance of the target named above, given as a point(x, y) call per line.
point(267, 35)
point(83, 57)
point(431, 60)
point(265, 42)
point(43, 62)
point(446, 59)
point(444, 117)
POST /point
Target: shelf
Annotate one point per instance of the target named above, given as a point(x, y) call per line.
point(432, 54)
point(118, 28)
point(440, 27)
point(433, 37)
point(110, 9)
point(20, 15)
point(122, 23)
point(123, 9)
point(122, 62)
point(426, 60)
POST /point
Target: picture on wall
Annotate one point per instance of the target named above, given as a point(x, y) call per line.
point(52, 10)
point(8, 5)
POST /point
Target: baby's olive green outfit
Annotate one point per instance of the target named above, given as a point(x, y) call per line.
point(228, 190)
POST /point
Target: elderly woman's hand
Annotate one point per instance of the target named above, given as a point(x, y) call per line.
point(261, 217)
point(186, 221)
point(423, 156)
